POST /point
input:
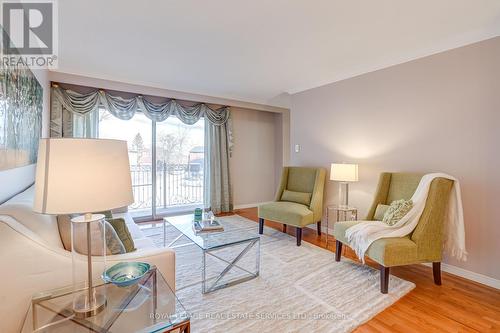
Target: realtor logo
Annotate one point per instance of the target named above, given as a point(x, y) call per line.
point(30, 32)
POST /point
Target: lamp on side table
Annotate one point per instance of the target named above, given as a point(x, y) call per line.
point(344, 173)
point(82, 176)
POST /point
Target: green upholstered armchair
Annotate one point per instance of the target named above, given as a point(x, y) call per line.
point(424, 244)
point(298, 201)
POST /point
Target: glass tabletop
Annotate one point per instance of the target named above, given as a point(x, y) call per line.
point(234, 232)
point(341, 208)
point(148, 306)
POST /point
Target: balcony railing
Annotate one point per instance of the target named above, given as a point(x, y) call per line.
point(176, 185)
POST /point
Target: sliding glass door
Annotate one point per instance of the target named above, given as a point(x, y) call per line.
point(166, 162)
point(179, 165)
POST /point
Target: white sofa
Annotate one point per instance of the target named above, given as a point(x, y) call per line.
point(33, 259)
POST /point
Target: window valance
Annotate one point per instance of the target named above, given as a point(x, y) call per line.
point(125, 108)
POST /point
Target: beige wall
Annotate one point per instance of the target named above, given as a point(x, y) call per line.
point(439, 113)
point(256, 161)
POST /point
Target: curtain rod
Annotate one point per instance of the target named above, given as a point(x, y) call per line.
point(57, 85)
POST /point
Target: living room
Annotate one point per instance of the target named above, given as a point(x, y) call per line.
point(263, 166)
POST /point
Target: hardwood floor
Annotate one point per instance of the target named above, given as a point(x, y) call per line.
point(458, 305)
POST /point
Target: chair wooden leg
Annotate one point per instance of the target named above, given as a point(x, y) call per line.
point(384, 279)
point(298, 232)
point(283, 228)
point(318, 225)
point(338, 250)
point(436, 272)
point(261, 225)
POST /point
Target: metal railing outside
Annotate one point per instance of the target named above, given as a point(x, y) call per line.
point(176, 185)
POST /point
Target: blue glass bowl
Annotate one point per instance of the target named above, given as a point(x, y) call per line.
point(125, 274)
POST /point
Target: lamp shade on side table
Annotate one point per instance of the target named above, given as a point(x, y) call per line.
point(82, 176)
point(344, 173)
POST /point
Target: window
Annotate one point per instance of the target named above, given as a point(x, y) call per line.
point(173, 182)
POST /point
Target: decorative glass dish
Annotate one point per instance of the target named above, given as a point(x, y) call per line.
point(125, 274)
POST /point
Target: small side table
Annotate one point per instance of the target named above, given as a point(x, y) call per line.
point(342, 214)
point(148, 306)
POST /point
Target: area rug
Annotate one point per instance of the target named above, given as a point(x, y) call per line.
point(300, 289)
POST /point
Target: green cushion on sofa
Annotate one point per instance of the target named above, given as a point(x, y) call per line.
point(303, 198)
point(113, 241)
point(380, 212)
point(123, 233)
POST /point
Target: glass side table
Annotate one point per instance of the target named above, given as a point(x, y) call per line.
point(148, 306)
point(341, 214)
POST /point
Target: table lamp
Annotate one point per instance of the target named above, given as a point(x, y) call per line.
point(344, 173)
point(82, 176)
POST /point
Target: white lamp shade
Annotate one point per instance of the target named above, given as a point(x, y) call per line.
point(82, 176)
point(344, 172)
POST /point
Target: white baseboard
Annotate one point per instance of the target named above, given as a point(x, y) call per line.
point(469, 275)
point(251, 205)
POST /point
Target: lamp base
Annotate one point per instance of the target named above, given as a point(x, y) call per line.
point(84, 309)
point(344, 195)
point(89, 302)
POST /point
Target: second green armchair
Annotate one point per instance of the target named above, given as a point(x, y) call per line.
point(424, 244)
point(298, 201)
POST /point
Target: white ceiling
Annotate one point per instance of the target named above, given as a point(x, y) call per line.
point(259, 50)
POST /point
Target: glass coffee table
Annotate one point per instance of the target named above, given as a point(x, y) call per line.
point(148, 306)
point(241, 242)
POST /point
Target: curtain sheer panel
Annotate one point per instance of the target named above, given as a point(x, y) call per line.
point(76, 114)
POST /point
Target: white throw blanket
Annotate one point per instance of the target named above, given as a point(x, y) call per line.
point(362, 235)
